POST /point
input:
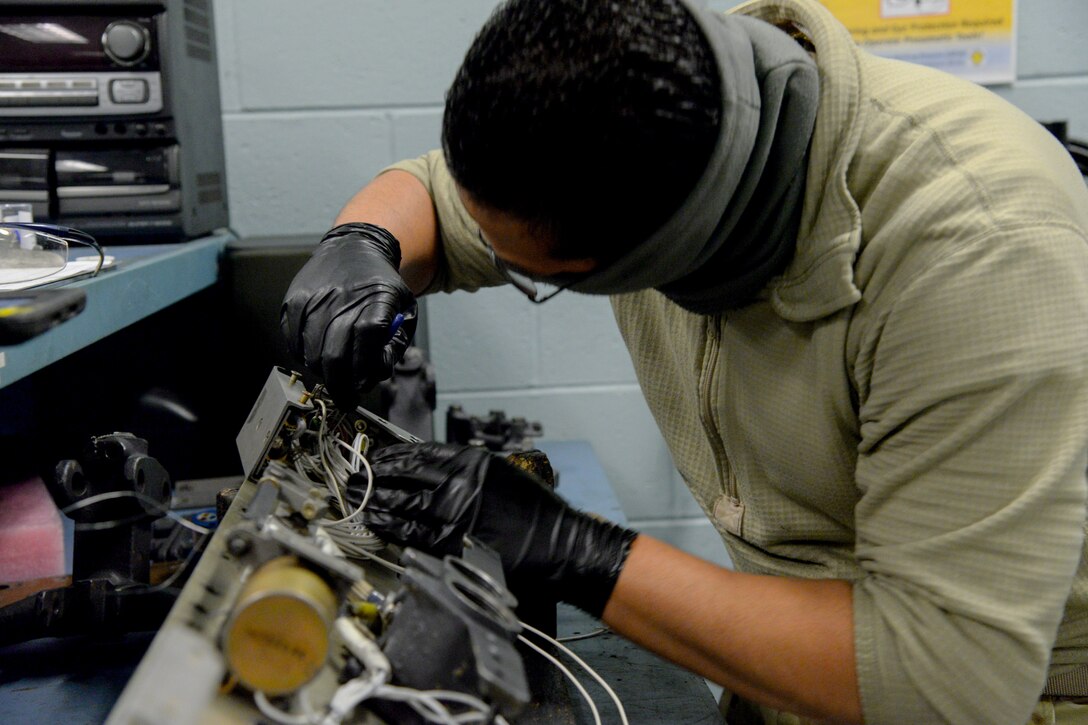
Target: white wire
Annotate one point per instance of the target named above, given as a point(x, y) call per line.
point(332, 469)
point(377, 671)
point(100, 497)
point(357, 541)
point(384, 562)
point(168, 582)
point(331, 480)
point(586, 667)
point(347, 697)
point(313, 716)
point(336, 467)
point(569, 675)
point(273, 713)
point(330, 466)
point(353, 514)
point(428, 703)
point(588, 635)
point(356, 448)
point(369, 472)
point(369, 483)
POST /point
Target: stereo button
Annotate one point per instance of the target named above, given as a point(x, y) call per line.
point(126, 42)
point(129, 90)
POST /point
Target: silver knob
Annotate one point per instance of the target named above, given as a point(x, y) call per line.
point(126, 42)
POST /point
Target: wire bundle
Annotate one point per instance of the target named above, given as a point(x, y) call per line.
point(434, 706)
point(328, 460)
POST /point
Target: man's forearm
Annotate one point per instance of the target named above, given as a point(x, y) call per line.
point(785, 643)
point(397, 201)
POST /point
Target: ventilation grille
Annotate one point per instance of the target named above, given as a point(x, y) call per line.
point(198, 29)
point(209, 188)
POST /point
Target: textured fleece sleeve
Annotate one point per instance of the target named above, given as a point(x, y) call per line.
point(974, 422)
point(464, 263)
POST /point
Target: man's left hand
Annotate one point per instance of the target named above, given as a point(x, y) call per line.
point(430, 495)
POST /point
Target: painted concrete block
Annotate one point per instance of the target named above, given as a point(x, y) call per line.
point(1050, 36)
point(338, 54)
point(1052, 100)
point(486, 340)
point(291, 173)
point(227, 55)
point(616, 421)
point(696, 536)
point(575, 342)
point(416, 131)
point(580, 343)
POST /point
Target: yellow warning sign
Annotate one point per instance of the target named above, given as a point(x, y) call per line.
point(975, 39)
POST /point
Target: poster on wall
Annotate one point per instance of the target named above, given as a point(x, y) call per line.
point(974, 39)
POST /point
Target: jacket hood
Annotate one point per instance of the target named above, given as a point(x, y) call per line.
point(819, 280)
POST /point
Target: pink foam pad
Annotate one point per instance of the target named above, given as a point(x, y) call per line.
point(31, 533)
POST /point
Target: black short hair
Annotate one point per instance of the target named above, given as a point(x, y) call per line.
point(591, 120)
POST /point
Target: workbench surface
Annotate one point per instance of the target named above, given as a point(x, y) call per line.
point(77, 681)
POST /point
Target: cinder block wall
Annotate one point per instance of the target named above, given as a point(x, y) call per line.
point(318, 96)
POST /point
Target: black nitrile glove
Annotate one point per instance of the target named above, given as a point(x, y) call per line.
point(339, 314)
point(430, 495)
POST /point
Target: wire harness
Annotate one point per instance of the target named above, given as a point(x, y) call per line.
point(293, 571)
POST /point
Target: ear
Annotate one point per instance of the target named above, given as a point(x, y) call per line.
point(580, 265)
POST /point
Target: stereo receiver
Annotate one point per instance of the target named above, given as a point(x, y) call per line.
point(110, 118)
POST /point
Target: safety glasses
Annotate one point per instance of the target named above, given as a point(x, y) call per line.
point(30, 252)
point(537, 292)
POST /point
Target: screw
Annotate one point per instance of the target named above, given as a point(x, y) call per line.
point(237, 545)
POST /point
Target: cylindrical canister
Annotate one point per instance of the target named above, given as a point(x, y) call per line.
point(277, 637)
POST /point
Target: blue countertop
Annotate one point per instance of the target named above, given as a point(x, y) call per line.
point(582, 481)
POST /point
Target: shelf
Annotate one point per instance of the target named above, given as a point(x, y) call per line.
point(144, 280)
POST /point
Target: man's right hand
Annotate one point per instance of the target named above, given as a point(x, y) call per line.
point(339, 314)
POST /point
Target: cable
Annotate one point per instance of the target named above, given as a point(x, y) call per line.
point(384, 562)
point(377, 671)
point(569, 675)
point(588, 635)
point(355, 538)
point(166, 583)
point(331, 480)
point(586, 667)
point(109, 495)
point(369, 484)
point(318, 454)
point(327, 465)
point(349, 532)
point(276, 715)
point(428, 703)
